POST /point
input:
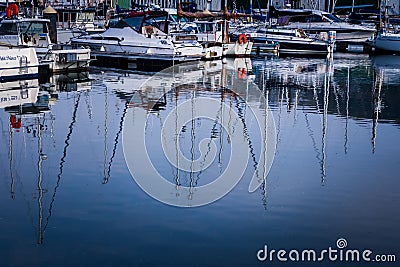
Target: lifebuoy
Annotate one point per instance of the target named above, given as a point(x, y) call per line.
point(241, 74)
point(12, 10)
point(242, 39)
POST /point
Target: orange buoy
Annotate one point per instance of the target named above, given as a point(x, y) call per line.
point(12, 10)
point(241, 74)
point(242, 39)
point(15, 123)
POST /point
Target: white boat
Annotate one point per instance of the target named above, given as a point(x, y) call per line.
point(75, 22)
point(216, 32)
point(140, 41)
point(317, 21)
point(17, 63)
point(388, 41)
point(388, 38)
point(33, 32)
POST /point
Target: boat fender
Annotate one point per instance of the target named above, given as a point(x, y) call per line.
point(242, 39)
point(12, 10)
point(241, 74)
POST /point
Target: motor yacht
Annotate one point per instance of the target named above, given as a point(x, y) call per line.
point(317, 21)
point(140, 41)
point(34, 33)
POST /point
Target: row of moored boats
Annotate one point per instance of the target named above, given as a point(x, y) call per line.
point(153, 39)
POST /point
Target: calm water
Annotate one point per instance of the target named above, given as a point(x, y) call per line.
point(68, 198)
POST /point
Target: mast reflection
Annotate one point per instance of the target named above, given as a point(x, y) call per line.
point(213, 80)
point(29, 106)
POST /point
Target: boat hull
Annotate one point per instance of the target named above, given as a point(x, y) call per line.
point(139, 56)
point(136, 61)
point(294, 46)
point(388, 43)
point(18, 64)
point(237, 50)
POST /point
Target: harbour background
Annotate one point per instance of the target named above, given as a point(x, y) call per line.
point(68, 198)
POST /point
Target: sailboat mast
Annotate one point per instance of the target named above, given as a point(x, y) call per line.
point(251, 10)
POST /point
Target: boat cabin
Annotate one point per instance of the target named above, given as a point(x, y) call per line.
point(212, 31)
point(83, 19)
point(27, 32)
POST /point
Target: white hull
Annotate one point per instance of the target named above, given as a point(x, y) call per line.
point(70, 60)
point(142, 50)
point(236, 49)
point(388, 42)
point(213, 52)
point(18, 63)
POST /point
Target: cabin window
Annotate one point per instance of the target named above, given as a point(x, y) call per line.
point(8, 29)
point(66, 17)
point(85, 17)
point(205, 27)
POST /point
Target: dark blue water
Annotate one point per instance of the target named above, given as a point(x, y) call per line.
point(68, 198)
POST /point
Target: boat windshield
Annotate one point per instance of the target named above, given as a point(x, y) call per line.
point(332, 17)
point(133, 22)
point(8, 29)
point(33, 27)
point(174, 18)
point(136, 22)
point(315, 18)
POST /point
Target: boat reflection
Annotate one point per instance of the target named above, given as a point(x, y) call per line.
point(174, 95)
point(321, 87)
point(386, 74)
point(18, 93)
